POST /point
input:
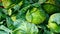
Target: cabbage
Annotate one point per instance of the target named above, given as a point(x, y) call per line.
point(35, 16)
point(23, 27)
point(54, 22)
point(50, 8)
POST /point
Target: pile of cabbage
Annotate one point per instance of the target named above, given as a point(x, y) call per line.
point(30, 17)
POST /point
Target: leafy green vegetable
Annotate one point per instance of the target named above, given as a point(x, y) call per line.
point(25, 28)
point(50, 9)
point(29, 16)
point(35, 16)
point(6, 3)
point(10, 3)
point(55, 18)
point(54, 22)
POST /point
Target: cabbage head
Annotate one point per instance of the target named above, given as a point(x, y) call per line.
point(54, 22)
point(35, 16)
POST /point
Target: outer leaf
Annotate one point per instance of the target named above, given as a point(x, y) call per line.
point(23, 10)
point(17, 6)
point(26, 28)
point(4, 30)
point(9, 23)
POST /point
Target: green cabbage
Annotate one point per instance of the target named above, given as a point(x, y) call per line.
point(24, 28)
point(49, 8)
point(10, 3)
point(35, 16)
point(54, 22)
